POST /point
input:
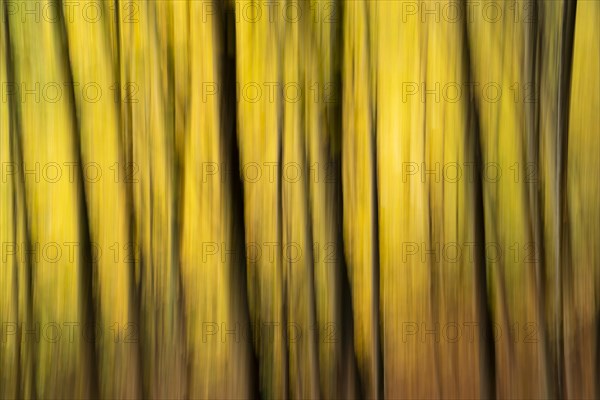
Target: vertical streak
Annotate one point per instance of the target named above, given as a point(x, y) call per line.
point(473, 144)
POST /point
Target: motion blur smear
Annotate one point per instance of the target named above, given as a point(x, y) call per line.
point(300, 199)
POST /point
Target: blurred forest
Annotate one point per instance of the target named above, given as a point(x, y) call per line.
point(300, 199)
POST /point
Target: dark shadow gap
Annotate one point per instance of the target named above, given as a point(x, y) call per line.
point(87, 269)
point(487, 356)
point(231, 152)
